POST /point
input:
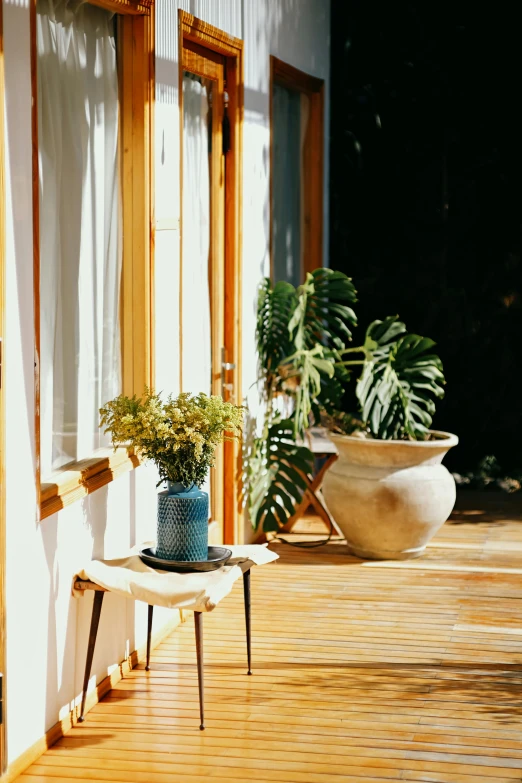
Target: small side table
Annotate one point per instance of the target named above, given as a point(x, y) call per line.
point(99, 593)
point(325, 452)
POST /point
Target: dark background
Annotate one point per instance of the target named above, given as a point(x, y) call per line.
point(426, 206)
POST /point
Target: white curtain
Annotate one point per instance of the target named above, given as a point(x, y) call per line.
point(80, 234)
point(197, 367)
point(287, 197)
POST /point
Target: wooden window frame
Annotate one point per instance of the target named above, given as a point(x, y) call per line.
point(3, 626)
point(286, 75)
point(203, 34)
point(136, 75)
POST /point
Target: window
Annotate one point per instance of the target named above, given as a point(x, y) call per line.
point(80, 227)
point(290, 119)
point(92, 287)
point(296, 172)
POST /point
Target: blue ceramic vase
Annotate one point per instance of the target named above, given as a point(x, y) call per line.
point(182, 532)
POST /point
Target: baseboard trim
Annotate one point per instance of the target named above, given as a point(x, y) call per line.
point(56, 732)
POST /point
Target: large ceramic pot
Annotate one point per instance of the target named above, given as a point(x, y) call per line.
point(389, 497)
point(182, 531)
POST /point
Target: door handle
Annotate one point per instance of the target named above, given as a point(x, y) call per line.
point(225, 367)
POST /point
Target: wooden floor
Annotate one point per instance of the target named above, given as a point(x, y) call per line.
point(362, 672)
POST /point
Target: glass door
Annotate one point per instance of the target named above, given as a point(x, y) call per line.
point(203, 240)
point(296, 172)
point(290, 112)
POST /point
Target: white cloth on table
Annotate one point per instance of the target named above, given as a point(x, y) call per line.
point(199, 591)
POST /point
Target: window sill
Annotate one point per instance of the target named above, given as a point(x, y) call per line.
point(81, 478)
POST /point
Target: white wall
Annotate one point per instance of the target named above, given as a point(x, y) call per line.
point(46, 628)
point(297, 32)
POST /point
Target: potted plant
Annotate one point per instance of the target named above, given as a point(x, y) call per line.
point(180, 436)
point(389, 491)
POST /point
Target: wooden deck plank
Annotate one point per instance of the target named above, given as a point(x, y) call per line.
point(407, 671)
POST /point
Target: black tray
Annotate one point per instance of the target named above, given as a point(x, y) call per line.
point(217, 557)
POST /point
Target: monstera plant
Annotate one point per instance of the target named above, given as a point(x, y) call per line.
point(305, 359)
point(300, 336)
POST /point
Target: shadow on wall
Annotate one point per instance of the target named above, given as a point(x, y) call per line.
point(57, 691)
point(61, 548)
point(289, 30)
point(66, 549)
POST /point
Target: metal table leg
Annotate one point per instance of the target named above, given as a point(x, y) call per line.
point(246, 593)
point(198, 624)
point(95, 621)
point(149, 634)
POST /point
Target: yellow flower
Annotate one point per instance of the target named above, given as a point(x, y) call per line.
point(180, 435)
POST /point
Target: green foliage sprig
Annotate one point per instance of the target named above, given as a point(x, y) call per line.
point(179, 435)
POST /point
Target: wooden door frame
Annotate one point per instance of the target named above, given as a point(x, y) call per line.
point(211, 38)
point(293, 79)
point(3, 743)
point(210, 66)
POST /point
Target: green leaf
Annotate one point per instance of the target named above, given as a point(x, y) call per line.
point(275, 306)
point(309, 367)
point(399, 381)
point(323, 314)
point(275, 477)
